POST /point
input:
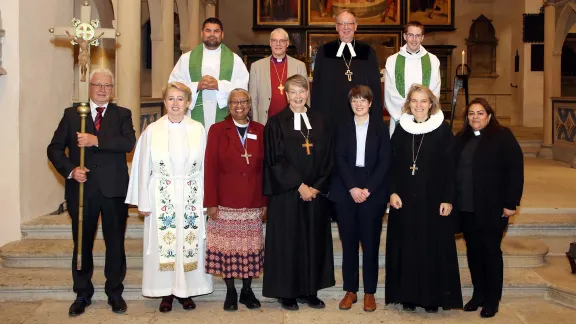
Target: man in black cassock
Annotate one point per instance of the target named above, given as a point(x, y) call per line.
point(298, 251)
point(341, 65)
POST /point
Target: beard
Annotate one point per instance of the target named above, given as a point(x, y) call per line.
point(212, 42)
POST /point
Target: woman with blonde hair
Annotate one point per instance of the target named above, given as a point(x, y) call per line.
point(421, 259)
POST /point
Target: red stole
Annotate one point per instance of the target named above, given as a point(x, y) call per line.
point(277, 101)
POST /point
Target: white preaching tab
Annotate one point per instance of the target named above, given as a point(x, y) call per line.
point(341, 49)
point(298, 123)
point(252, 136)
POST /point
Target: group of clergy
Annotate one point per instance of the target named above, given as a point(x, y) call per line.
point(235, 149)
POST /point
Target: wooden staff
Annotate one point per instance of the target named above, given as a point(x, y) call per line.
point(83, 110)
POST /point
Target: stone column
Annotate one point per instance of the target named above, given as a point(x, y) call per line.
point(128, 64)
point(549, 35)
point(194, 14)
point(163, 49)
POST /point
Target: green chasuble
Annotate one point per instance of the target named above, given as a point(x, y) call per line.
point(195, 66)
point(399, 72)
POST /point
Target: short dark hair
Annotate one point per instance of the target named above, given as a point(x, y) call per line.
point(493, 123)
point(213, 20)
point(360, 91)
point(414, 23)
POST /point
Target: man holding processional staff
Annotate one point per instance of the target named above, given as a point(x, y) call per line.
point(108, 136)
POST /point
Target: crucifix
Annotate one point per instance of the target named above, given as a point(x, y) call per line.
point(246, 156)
point(307, 145)
point(281, 88)
point(349, 74)
point(84, 32)
point(413, 168)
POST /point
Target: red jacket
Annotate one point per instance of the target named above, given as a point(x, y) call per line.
point(228, 180)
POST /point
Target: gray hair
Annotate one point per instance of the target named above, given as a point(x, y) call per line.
point(280, 31)
point(348, 11)
point(103, 71)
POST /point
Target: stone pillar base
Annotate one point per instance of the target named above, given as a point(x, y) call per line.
point(545, 152)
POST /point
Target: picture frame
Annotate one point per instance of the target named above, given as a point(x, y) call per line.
point(384, 43)
point(434, 14)
point(271, 14)
point(369, 14)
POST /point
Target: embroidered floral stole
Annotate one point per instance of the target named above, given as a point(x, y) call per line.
point(399, 72)
point(166, 216)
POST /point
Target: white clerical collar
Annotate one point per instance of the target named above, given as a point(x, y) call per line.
point(477, 133)
point(408, 124)
point(350, 48)
point(241, 125)
point(298, 123)
point(418, 51)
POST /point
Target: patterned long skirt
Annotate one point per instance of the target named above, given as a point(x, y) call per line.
point(235, 243)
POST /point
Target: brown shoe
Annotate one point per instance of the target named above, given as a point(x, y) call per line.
point(349, 299)
point(369, 303)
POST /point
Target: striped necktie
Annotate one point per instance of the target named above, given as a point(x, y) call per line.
point(98, 119)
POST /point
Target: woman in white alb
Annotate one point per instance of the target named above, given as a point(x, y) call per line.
point(166, 184)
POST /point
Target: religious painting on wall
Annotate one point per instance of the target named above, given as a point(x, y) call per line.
point(385, 44)
point(369, 13)
point(270, 13)
point(437, 13)
point(150, 111)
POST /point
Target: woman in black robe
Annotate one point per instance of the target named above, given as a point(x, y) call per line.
point(421, 258)
point(297, 167)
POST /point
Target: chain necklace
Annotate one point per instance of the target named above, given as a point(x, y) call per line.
point(281, 86)
point(414, 168)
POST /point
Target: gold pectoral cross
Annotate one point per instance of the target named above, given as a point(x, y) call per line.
point(413, 168)
point(246, 156)
point(307, 145)
point(281, 88)
point(349, 74)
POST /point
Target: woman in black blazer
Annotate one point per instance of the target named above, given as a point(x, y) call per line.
point(489, 181)
point(359, 190)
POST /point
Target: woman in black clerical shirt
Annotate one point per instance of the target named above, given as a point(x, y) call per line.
point(489, 181)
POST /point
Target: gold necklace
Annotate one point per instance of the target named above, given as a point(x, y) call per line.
point(281, 86)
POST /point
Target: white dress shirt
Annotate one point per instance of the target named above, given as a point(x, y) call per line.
point(361, 132)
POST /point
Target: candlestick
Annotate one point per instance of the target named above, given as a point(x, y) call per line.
point(463, 61)
point(310, 50)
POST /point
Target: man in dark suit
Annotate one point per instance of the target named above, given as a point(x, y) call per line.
point(109, 136)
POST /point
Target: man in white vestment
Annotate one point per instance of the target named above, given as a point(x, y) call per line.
point(211, 71)
point(412, 64)
point(167, 185)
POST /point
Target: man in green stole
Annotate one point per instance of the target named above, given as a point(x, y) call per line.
point(211, 71)
point(412, 64)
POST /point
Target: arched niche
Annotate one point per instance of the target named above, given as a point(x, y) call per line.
point(481, 44)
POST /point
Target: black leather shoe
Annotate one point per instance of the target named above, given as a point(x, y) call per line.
point(473, 304)
point(79, 306)
point(488, 311)
point(118, 304)
point(187, 303)
point(247, 298)
point(431, 309)
point(166, 304)
point(315, 302)
point(289, 304)
point(408, 307)
point(231, 301)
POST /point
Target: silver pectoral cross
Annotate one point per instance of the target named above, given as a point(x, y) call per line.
point(413, 168)
point(246, 156)
point(349, 74)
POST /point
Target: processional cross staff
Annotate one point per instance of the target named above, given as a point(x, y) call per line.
point(83, 33)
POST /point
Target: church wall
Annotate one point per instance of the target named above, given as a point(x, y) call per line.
point(46, 89)
point(9, 102)
point(533, 80)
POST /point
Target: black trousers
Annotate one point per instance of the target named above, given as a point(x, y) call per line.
point(484, 259)
point(114, 215)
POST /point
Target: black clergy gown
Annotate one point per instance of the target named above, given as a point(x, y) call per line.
point(421, 257)
point(330, 86)
point(298, 250)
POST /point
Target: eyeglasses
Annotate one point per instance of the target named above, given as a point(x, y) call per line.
point(294, 92)
point(241, 102)
point(102, 86)
point(359, 101)
point(415, 36)
point(346, 24)
point(278, 41)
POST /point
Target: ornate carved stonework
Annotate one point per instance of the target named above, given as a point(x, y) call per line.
point(482, 43)
point(2, 33)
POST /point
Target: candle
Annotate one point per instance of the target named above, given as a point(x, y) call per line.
point(310, 50)
point(463, 60)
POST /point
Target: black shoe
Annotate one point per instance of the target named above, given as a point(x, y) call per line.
point(247, 298)
point(166, 304)
point(432, 309)
point(473, 304)
point(187, 303)
point(289, 304)
point(315, 302)
point(408, 307)
point(79, 306)
point(118, 304)
point(231, 301)
point(489, 311)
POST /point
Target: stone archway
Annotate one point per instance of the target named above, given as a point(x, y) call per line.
point(566, 20)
